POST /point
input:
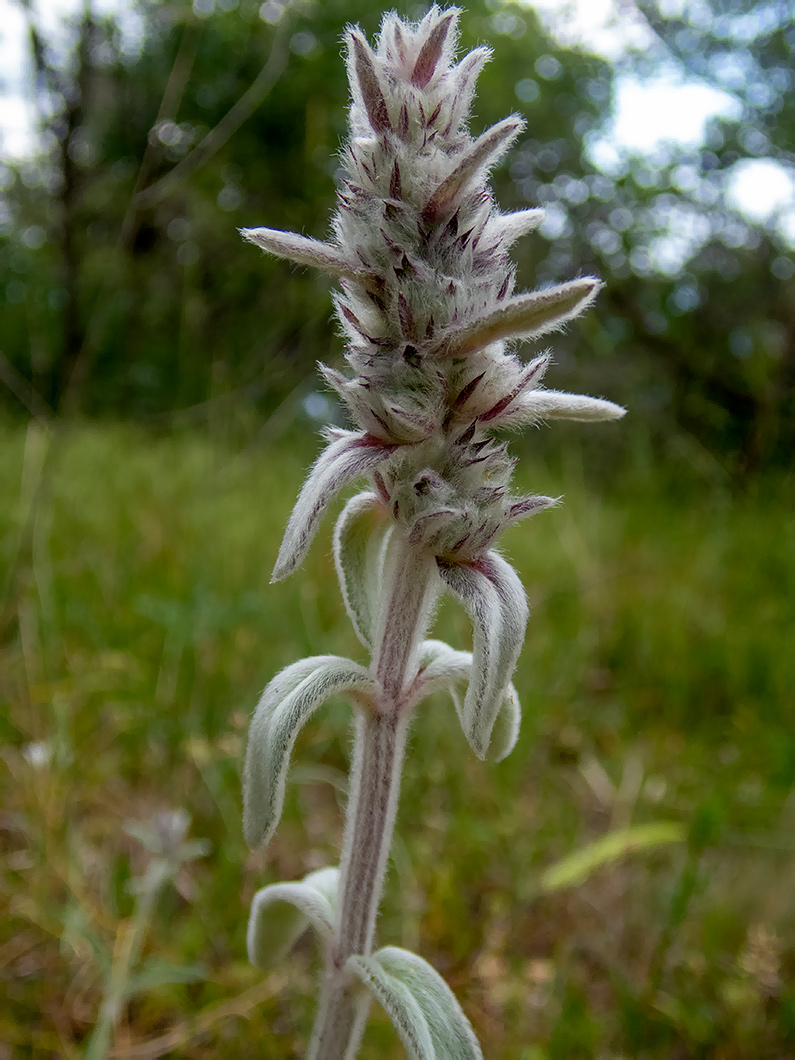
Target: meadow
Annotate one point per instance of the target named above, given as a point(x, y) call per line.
point(621, 886)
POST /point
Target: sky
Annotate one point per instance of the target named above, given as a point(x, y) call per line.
point(645, 114)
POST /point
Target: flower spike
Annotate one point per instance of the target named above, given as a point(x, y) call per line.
point(428, 313)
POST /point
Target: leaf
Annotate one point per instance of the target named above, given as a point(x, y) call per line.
point(304, 251)
point(360, 537)
point(493, 595)
point(512, 226)
point(443, 669)
point(536, 405)
point(348, 456)
point(576, 867)
point(282, 912)
point(290, 698)
point(156, 973)
point(484, 152)
point(526, 316)
point(422, 1007)
point(362, 65)
point(432, 50)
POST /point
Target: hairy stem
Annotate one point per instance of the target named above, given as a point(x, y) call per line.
point(379, 743)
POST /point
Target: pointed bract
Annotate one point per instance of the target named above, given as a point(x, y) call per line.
point(493, 595)
point(483, 153)
point(304, 251)
point(344, 460)
point(281, 913)
point(369, 86)
point(527, 316)
point(431, 50)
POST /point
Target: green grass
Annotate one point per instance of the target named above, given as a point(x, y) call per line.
point(657, 683)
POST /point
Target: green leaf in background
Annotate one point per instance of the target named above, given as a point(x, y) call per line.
point(156, 973)
point(575, 868)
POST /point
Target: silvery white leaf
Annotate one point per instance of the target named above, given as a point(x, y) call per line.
point(359, 542)
point(506, 726)
point(489, 147)
point(422, 1007)
point(493, 595)
point(525, 316)
point(290, 698)
point(282, 912)
point(304, 251)
point(442, 668)
point(512, 226)
point(535, 405)
point(344, 459)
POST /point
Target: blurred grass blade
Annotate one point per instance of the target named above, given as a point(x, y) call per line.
point(575, 868)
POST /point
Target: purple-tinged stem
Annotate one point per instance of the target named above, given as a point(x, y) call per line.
point(379, 742)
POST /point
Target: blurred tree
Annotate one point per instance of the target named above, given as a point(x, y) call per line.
point(123, 271)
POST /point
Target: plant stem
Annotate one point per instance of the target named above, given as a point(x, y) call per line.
point(124, 964)
point(379, 743)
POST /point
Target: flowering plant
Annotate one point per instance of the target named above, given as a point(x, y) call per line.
point(427, 305)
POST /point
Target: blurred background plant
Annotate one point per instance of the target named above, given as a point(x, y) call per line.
point(154, 378)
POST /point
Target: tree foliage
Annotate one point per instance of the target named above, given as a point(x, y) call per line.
point(127, 290)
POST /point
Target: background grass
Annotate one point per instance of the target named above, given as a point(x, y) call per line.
point(657, 683)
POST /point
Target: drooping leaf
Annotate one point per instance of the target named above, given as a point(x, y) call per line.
point(282, 912)
point(290, 698)
point(493, 595)
point(422, 1007)
point(360, 537)
point(445, 669)
point(348, 456)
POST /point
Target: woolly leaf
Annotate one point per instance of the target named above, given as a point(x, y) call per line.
point(368, 84)
point(359, 541)
point(512, 226)
point(442, 668)
point(525, 316)
point(492, 593)
point(282, 912)
point(431, 50)
point(346, 458)
point(484, 152)
point(422, 1007)
point(288, 701)
point(304, 251)
point(535, 405)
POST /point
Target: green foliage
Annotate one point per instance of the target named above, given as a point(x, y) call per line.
point(152, 304)
point(139, 629)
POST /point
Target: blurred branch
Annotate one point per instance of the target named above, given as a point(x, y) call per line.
point(25, 393)
point(694, 63)
point(169, 105)
point(226, 127)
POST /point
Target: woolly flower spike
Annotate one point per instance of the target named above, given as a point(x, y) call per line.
point(427, 303)
point(427, 308)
